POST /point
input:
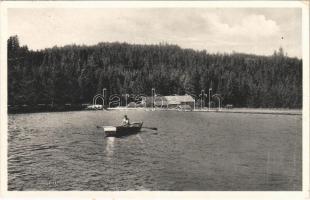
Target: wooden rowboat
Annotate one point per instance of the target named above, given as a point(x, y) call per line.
point(120, 131)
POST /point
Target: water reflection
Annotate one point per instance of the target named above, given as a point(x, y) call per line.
point(140, 139)
point(110, 147)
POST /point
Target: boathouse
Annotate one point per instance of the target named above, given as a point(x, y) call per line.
point(180, 100)
point(174, 101)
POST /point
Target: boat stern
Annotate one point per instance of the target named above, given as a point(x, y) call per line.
point(109, 130)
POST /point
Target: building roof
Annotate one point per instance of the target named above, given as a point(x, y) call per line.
point(179, 99)
point(171, 100)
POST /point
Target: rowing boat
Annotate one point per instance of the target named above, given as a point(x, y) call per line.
point(120, 131)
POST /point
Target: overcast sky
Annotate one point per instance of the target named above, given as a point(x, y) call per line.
point(248, 30)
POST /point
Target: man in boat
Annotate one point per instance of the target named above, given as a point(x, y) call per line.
point(126, 121)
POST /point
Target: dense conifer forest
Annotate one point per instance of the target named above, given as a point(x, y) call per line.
point(74, 74)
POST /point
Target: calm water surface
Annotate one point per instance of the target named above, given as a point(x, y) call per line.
point(190, 151)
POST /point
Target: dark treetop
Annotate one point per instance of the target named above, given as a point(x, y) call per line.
point(74, 74)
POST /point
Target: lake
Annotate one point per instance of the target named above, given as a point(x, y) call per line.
point(190, 151)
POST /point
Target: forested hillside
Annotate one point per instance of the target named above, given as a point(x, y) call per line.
point(74, 74)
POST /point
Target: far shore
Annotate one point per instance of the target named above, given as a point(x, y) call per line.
point(276, 111)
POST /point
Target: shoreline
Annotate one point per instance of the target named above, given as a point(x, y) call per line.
point(262, 111)
point(274, 111)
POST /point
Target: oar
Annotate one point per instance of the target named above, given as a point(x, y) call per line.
point(152, 128)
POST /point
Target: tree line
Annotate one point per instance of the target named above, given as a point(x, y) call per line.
point(74, 74)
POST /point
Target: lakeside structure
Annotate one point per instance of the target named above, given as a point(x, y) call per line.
point(169, 102)
point(182, 103)
point(186, 101)
point(202, 103)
